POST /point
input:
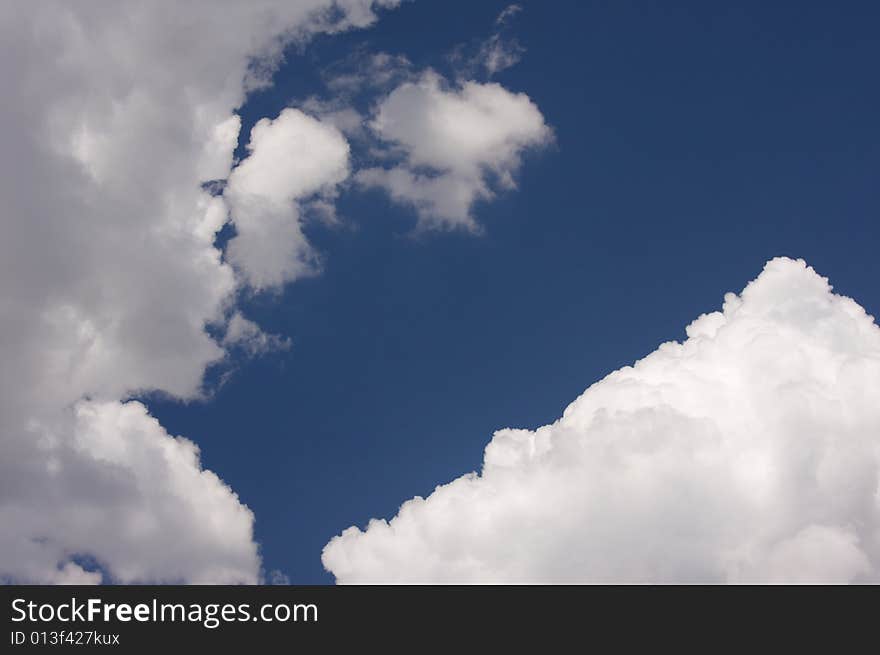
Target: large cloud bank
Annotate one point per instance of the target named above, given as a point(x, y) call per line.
point(749, 452)
point(114, 115)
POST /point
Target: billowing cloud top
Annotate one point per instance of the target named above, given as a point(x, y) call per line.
point(749, 452)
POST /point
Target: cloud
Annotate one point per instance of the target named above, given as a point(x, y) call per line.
point(343, 117)
point(277, 577)
point(246, 335)
point(354, 80)
point(115, 116)
point(291, 159)
point(456, 145)
point(500, 52)
point(363, 70)
point(489, 56)
point(747, 453)
point(507, 14)
point(105, 479)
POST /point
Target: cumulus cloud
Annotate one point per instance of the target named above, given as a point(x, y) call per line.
point(747, 453)
point(110, 467)
point(115, 116)
point(455, 143)
point(291, 159)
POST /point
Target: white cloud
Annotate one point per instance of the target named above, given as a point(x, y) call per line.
point(277, 577)
point(114, 116)
point(456, 144)
point(73, 574)
point(344, 118)
point(106, 480)
point(363, 70)
point(507, 14)
point(749, 452)
point(487, 57)
point(243, 333)
point(359, 73)
point(291, 159)
point(499, 52)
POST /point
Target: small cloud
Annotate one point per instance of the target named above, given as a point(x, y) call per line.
point(244, 334)
point(498, 54)
point(277, 577)
point(457, 144)
point(507, 14)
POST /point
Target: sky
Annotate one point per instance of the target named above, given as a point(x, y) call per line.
point(639, 161)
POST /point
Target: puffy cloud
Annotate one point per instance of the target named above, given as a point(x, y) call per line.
point(454, 143)
point(747, 453)
point(115, 116)
point(106, 480)
point(292, 158)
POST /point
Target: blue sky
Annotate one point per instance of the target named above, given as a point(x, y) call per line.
point(693, 142)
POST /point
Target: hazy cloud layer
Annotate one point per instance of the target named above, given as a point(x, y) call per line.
point(114, 115)
point(749, 452)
